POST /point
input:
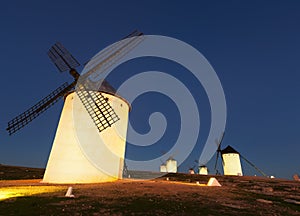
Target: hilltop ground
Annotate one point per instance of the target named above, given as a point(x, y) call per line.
point(180, 195)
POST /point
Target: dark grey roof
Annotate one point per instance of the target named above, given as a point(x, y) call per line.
point(229, 149)
point(106, 87)
point(170, 159)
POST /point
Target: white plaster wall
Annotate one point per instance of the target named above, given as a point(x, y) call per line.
point(163, 168)
point(203, 171)
point(232, 164)
point(171, 166)
point(80, 154)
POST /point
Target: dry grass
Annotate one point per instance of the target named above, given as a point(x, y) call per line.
point(178, 196)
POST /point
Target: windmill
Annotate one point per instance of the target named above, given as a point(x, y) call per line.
point(191, 167)
point(219, 142)
point(202, 168)
point(163, 167)
point(171, 165)
point(64, 61)
point(100, 114)
point(231, 160)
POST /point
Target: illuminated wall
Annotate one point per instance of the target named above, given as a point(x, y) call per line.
point(232, 164)
point(82, 154)
point(203, 170)
point(163, 168)
point(171, 166)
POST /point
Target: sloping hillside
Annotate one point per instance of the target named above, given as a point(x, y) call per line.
point(17, 172)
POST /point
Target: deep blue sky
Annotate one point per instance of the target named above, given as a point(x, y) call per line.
point(254, 46)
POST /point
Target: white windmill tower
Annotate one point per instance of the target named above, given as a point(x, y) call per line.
point(171, 165)
point(163, 167)
point(69, 160)
point(203, 170)
point(230, 160)
point(89, 144)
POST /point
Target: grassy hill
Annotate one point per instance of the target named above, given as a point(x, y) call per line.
point(17, 172)
point(172, 194)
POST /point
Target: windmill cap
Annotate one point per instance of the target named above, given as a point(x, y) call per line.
point(229, 149)
point(171, 159)
point(106, 87)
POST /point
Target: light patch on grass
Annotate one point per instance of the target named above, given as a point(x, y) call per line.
point(10, 192)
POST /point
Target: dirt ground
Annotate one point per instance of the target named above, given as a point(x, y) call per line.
point(180, 195)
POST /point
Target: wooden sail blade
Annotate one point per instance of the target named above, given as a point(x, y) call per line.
point(62, 58)
point(26, 117)
point(216, 163)
point(97, 106)
point(255, 167)
point(109, 56)
point(133, 34)
point(101, 112)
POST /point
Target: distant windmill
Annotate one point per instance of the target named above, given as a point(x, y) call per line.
point(231, 160)
point(98, 113)
point(191, 169)
point(171, 165)
point(163, 167)
point(202, 168)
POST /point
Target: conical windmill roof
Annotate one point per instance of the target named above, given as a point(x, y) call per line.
point(228, 150)
point(106, 87)
point(171, 158)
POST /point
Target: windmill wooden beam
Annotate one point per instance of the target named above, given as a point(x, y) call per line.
point(65, 61)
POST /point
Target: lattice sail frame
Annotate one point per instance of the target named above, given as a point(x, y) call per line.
point(103, 115)
point(98, 108)
point(26, 117)
point(62, 58)
point(101, 112)
point(109, 56)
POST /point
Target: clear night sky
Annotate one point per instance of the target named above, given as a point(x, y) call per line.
point(253, 46)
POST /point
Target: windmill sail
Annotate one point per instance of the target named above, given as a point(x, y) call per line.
point(23, 119)
point(95, 103)
point(251, 164)
point(98, 108)
point(111, 55)
point(219, 152)
point(101, 112)
point(62, 58)
point(133, 34)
